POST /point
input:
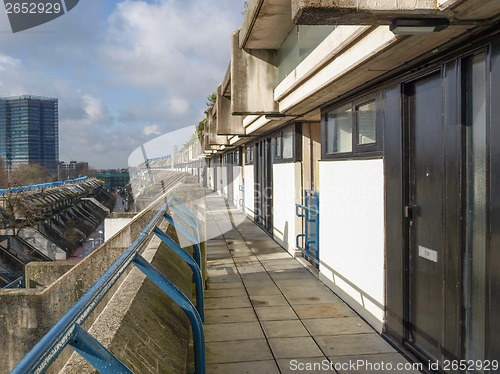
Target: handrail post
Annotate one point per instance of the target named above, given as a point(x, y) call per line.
point(190, 214)
point(95, 354)
point(187, 221)
point(186, 305)
point(194, 242)
point(197, 277)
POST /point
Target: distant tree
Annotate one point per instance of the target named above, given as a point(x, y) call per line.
point(212, 99)
point(4, 178)
point(88, 172)
point(25, 175)
point(17, 211)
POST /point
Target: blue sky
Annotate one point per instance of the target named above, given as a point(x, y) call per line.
point(125, 72)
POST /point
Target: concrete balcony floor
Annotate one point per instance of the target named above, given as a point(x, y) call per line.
point(266, 313)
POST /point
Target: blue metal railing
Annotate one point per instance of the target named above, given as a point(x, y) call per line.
point(40, 186)
point(310, 213)
point(18, 283)
point(68, 330)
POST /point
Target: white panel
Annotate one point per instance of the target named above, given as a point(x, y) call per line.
point(218, 182)
point(211, 177)
point(224, 181)
point(249, 190)
point(352, 233)
point(284, 177)
point(236, 186)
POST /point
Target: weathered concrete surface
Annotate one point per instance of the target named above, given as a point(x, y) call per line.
point(141, 325)
point(211, 129)
point(227, 124)
point(266, 24)
point(254, 74)
point(383, 12)
point(43, 274)
point(26, 315)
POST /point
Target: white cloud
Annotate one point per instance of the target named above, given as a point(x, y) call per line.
point(151, 130)
point(180, 45)
point(8, 61)
point(146, 68)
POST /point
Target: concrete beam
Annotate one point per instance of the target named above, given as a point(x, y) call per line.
point(266, 24)
point(254, 74)
point(227, 124)
point(213, 138)
point(383, 12)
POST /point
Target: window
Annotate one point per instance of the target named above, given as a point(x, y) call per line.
point(352, 129)
point(288, 142)
point(366, 125)
point(339, 130)
point(249, 155)
point(286, 145)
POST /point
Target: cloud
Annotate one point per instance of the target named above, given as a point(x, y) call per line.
point(177, 44)
point(151, 130)
point(122, 70)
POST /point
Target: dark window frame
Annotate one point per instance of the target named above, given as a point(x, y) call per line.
point(296, 144)
point(250, 154)
point(370, 150)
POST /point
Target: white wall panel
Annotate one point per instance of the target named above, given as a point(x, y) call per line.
point(218, 182)
point(352, 233)
point(249, 190)
point(224, 181)
point(210, 176)
point(285, 194)
point(237, 181)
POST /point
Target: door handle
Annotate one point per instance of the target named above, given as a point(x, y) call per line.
point(410, 211)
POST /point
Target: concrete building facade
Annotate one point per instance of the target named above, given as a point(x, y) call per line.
point(387, 113)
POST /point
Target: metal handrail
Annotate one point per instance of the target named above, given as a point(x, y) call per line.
point(307, 212)
point(68, 331)
point(18, 283)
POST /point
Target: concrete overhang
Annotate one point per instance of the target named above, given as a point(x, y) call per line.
point(383, 12)
point(254, 74)
point(227, 124)
point(323, 77)
point(226, 83)
point(266, 24)
point(213, 138)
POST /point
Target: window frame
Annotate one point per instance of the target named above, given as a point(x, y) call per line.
point(357, 150)
point(250, 154)
point(296, 144)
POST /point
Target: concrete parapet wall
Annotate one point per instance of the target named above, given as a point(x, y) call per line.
point(141, 325)
point(27, 314)
point(43, 274)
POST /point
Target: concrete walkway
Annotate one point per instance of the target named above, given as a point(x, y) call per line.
point(265, 313)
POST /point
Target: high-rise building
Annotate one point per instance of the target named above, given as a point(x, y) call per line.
point(29, 132)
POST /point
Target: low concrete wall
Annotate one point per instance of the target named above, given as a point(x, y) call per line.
point(26, 315)
point(114, 225)
point(141, 325)
point(43, 274)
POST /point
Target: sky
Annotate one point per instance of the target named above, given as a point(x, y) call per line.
point(124, 71)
